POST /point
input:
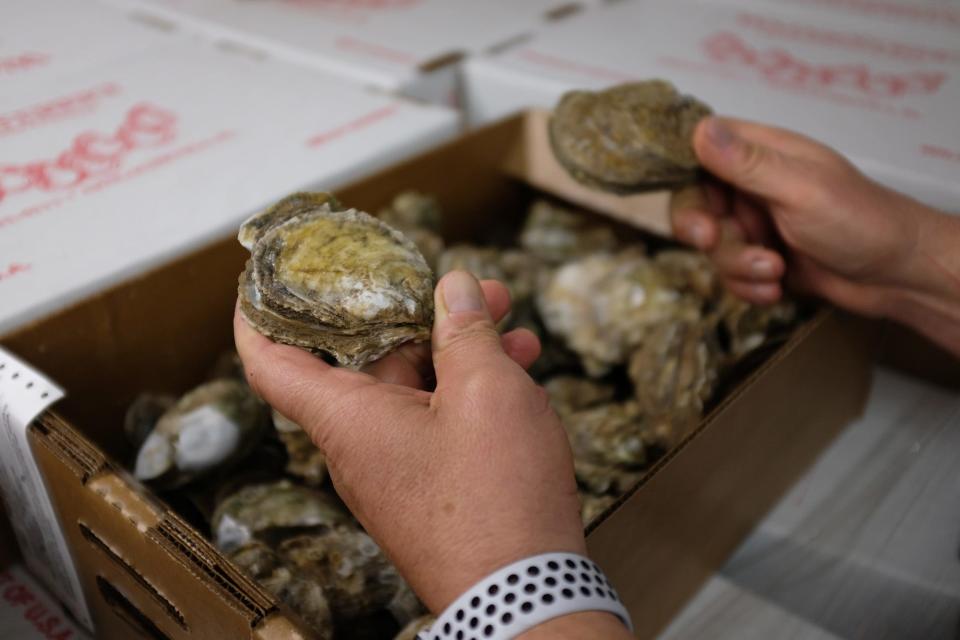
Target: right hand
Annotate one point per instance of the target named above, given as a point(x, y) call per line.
point(787, 208)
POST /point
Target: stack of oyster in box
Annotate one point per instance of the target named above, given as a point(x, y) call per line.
point(638, 343)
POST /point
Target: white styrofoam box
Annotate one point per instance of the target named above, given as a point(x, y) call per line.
point(396, 45)
point(51, 38)
point(109, 172)
point(926, 20)
point(890, 106)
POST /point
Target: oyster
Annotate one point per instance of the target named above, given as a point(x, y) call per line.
point(600, 478)
point(305, 460)
point(603, 306)
point(305, 597)
point(405, 605)
point(412, 210)
point(628, 138)
point(675, 370)
point(689, 272)
point(569, 394)
point(209, 428)
point(411, 631)
point(750, 326)
point(273, 510)
point(356, 576)
point(142, 416)
point(556, 235)
point(334, 281)
point(592, 506)
point(608, 434)
point(482, 262)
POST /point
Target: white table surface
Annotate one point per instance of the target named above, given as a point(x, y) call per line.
point(865, 545)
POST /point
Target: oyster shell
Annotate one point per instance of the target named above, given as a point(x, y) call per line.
point(569, 394)
point(601, 478)
point(482, 262)
point(334, 281)
point(411, 631)
point(689, 272)
point(273, 510)
point(405, 605)
point(675, 370)
point(305, 460)
point(750, 326)
point(209, 428)
point(608, 434)
point(555, 234)
point(356, 576)
point(412, 210)
point(628, 138)
point(592, 506)
point(305, 597)
point(142, 416)
point(603, 305)
point(418, 217)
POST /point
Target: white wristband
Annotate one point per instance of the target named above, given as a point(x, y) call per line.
point(520, 596)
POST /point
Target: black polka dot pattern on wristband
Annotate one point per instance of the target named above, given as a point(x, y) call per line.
point(529, 592)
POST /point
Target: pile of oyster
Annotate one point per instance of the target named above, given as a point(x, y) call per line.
point(638, 343)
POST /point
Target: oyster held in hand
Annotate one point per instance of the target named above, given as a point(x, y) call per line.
point(628, 138)
point(215, 424)
point(334, 281)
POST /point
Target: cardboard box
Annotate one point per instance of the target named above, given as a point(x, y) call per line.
point(50, 39)
point(889, 105)
point(113, 168)
point(143, 567)
point(408, 46)
point(929, 21)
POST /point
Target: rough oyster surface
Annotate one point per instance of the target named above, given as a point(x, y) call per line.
point(410, 631)
point(334, 281)
point(207, 429)
point(628, 138)
point(304, 460)
point(357, 578)
point(304, 596)
point(255, 511)
point(555, 234)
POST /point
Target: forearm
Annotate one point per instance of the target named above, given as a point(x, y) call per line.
point(929, 298)
point(579, 626)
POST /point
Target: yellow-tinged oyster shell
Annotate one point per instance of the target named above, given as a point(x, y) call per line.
point(628, 138)
point(339, 282)
point(555, 234)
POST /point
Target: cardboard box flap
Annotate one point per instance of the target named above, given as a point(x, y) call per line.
point(140, 561)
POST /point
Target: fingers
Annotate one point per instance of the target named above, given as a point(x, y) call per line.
point(747, 163)
point(749, 271)
point(693, 217)
point(522, 345)
point(303, 387)
point(464, 336)
point(411, 364)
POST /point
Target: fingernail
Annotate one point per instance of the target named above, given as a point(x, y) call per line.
point(762, 268)
point(699, 234)
point(720, 134)
point(461, 292)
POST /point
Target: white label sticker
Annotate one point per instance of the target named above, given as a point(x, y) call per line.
point(24, 394)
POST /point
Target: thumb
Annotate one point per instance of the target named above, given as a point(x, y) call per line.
point(747, 164)
point(464, 336)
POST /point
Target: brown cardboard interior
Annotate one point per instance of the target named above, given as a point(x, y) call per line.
point(144, 569)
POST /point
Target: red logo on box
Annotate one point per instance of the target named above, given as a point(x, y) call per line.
point(780, 66)
point(91, 154)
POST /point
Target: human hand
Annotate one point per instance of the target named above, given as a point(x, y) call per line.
point(788, 209)
point(791, 207)
point(452, 483)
